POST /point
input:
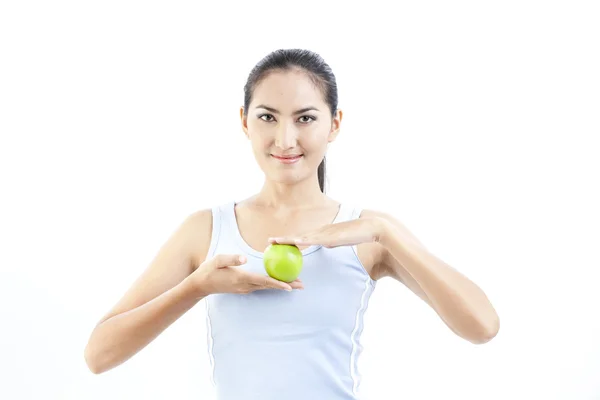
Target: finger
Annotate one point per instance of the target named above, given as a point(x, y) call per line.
point(267, 282)
point(325, 240)
point(305, 240)
point(283, 240)
point(228, 260)
point(297, 284)
point(309, 240)
point(298, 240)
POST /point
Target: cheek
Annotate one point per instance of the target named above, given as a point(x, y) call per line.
point(259, 145)
point(315, 139)
point(260, 138)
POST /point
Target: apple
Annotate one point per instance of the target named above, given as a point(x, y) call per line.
point(283, 261)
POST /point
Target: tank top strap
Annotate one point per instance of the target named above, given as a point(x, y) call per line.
point(229, 225)
point(347, 212)
point(356, 211)
point(228, 215)
point(218, 221)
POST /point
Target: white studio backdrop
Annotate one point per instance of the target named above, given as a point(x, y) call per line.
point(474, 123)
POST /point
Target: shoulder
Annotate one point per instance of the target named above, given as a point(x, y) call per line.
point(370, 213)
point(198, 221)
point(196, 229)
point(382, 215)
point(377, 214)
point(384, 219)
point(376, 254)
point(389, 220)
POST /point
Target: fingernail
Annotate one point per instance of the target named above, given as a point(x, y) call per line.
point(242, 259)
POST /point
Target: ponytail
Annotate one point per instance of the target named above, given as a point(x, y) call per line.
point(321, 175)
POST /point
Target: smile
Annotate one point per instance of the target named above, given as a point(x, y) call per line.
point(287, 159)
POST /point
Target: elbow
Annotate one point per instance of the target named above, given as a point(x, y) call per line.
point(94, 360)
point(91, 360)
point(95, 354)
point(487, 330)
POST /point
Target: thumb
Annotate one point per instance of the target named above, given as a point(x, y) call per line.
point(227, 260)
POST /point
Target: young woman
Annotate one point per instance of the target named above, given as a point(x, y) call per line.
point(270, 339)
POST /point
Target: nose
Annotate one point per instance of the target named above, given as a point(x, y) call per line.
point(286, 137)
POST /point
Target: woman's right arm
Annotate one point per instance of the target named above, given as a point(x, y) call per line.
point(178, 278)
point(162, 294)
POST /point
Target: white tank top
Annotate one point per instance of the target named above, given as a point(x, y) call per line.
point(299, 345)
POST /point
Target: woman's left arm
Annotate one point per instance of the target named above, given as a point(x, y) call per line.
point(459, 302)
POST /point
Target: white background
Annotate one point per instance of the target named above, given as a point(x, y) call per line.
point(475, 123)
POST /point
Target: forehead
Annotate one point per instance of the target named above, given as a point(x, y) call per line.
point(287, 90)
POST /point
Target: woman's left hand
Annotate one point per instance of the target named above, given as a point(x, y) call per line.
point(348, 233)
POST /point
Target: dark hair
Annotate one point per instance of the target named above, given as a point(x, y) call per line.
point(315, 67)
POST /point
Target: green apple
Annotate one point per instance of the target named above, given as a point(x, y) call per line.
point(283, 262)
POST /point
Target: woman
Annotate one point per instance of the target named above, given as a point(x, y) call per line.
point(270, 339)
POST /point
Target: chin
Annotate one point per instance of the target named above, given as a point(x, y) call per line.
point(286, 177)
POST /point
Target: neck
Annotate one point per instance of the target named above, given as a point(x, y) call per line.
point(304, 194)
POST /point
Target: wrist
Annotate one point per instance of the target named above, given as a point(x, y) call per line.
point(194, 287)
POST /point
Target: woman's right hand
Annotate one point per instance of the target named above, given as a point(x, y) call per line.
point(221, 275)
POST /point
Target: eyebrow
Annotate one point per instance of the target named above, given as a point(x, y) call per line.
point(301, 111)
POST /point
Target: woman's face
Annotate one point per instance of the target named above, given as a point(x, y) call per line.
point(289, 125)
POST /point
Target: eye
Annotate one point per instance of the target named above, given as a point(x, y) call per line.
point(266, 117)
point(305, 119)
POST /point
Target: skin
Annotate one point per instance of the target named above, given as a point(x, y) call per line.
point(291, 209)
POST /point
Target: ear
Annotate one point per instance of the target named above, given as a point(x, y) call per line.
point(244, 120)
point(335, 125)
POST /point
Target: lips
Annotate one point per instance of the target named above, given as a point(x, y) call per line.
point(287, 159)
